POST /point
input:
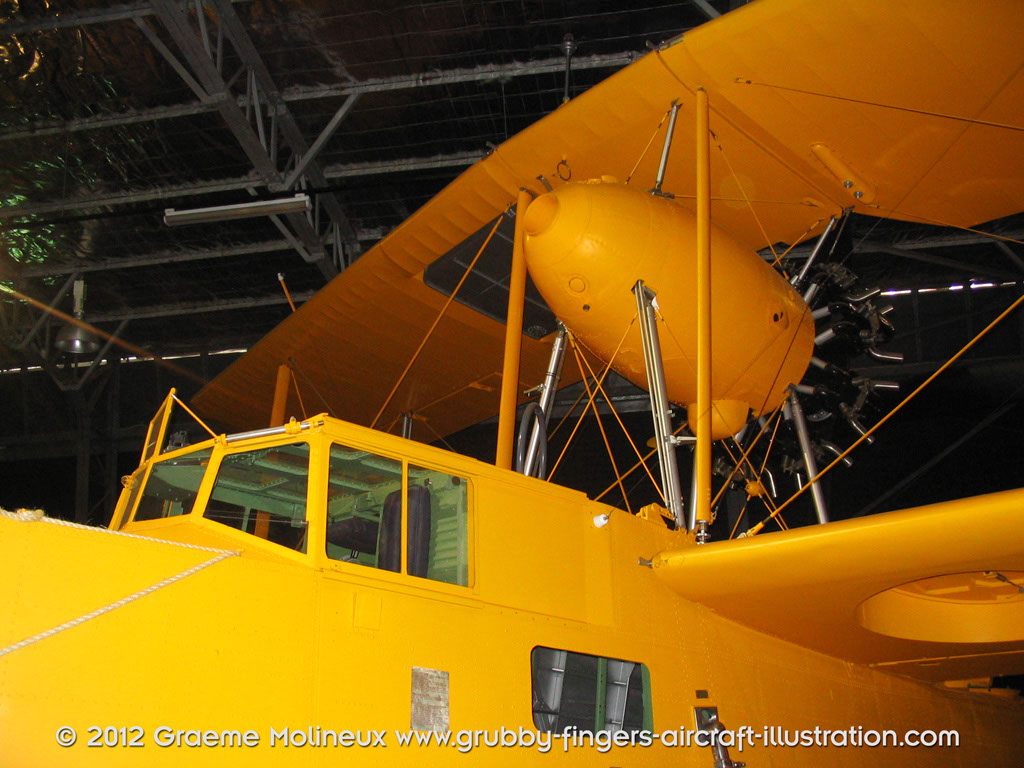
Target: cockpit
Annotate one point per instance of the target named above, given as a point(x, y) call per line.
point(310, 492)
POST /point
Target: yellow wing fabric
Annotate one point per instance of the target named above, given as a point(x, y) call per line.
point(931, 593)
point(794, 87)
point(919, 101)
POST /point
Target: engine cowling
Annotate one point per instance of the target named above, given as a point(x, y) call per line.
point(588, 243)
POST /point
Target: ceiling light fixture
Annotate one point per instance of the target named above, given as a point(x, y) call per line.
point(297, 204)
point(76, 338)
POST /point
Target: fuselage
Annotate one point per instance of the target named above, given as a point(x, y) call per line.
point(529, 611)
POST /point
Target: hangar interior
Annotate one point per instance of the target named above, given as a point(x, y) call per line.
point(112, 114)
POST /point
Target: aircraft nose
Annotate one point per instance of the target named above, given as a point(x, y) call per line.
point(540, 214)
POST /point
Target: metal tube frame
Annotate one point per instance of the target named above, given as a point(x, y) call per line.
point(796, 413)
point(702, 424)
point(665, 149)
point(798, 279)
point(304, 426)
point(663, 437)
point(547, 396)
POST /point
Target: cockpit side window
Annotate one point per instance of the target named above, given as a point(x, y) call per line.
point(171, 487)
point(263, 492)
point(439, 502)
point(364, 509)
point(364, 516)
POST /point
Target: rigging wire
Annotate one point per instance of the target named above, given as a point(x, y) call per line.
point(739, 518)
point(128, 346)
point(650, 141)
point(440, 437)
point(753, 445)
point(298, 394)
point(750, 205)
point(768, 501)
point(615, 413)
point(604, 374)
point(294, 367)
point(451, 298)
point(637, 466)
point(568, 413)
point(927, 113)
point(600, 425)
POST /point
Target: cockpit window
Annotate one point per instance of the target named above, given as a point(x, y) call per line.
point(364, 516)
point(263, 492)
point(440, 502)
point(172, 486)
point(364, 509)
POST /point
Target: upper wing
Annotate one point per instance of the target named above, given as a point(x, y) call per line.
point(925, 593)
point(905, 109)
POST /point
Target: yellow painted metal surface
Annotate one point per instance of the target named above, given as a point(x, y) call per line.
point(274, 641)
point(588, 244)
point(510, 392)
point(888, 590)
point(700, 417)
point(784, 631)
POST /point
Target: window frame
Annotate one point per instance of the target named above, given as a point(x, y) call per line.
point(349, 569)
point(146, 470)
point(221, 452)
point(647, 715)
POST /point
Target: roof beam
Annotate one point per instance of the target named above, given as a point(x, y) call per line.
point(485, 73)
point(191, 308)
point(78, 19)
point(337, 171)
point(1009, 253)
point(210, 79)
point(976, 270)
point(289, 128)
point(82, 18)
point(152, 259)
point(325, 136)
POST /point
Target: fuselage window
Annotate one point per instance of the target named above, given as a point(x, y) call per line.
point(438, 526)
point(590, 693)
point(172, 487)
point(364, 509)
point(263, 492)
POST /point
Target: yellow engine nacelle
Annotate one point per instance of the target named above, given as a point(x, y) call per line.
point(586, 246)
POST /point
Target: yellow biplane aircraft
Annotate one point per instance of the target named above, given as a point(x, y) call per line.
point(322, 592)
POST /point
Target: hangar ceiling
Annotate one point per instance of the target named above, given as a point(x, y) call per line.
point(112, 114)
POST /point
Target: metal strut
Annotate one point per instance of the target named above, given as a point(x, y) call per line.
point(794, 411)
point(547, 399)
point(665, 149)
point(801, 276)
point(663, 437)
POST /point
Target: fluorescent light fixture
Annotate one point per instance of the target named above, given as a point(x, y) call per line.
point(297, 204)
